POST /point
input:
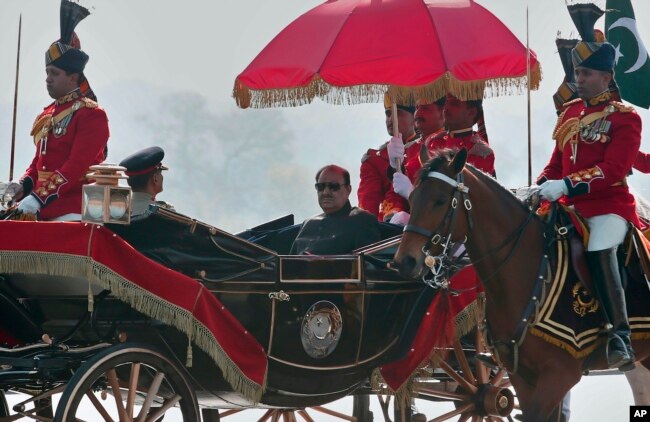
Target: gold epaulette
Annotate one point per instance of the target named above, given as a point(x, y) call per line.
point(46, 122)
point(89, 103)
point(572, 102)
point(622, 107)
point(39, 123)
point(560, 117)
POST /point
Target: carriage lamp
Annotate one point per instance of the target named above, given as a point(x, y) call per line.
point(104, 201)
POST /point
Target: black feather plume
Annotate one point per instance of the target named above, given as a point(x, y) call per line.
point(71, 14)
point(584, 16)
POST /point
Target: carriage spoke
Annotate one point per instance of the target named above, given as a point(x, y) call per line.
point(498, 377)
point(167, 404)
point(151, 393)
point(102, 411)
point(442, 394)
point(229, 412)
point(276, 416)
point(305, 415)
point(133, 385)
point(464, 418)
point(482, 371)
point(266, 416)
point(466, 408)
point(117, 394)
point(460, 380)
point(462, 360)
point(384, 406)
point(335, 414)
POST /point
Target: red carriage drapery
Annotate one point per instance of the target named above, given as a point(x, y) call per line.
point(104, 259)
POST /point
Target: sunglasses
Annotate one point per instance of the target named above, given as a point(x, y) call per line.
point(334, 186)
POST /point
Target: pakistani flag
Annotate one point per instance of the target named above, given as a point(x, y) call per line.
point(632, 65)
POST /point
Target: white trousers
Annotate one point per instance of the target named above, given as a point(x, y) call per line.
point(606, 231)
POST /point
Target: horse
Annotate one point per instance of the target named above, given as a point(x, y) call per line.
point(455, 202)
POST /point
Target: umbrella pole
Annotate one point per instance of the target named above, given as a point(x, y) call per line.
point(393, 116)
point(530, 163)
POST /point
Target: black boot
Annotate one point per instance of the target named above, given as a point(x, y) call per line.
point(603, 266)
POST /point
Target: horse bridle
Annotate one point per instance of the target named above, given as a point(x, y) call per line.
point(442, 265)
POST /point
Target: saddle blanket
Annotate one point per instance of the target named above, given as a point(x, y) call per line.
point(571, 318)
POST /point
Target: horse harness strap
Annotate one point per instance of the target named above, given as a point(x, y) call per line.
point(450, 217)
point(526, 321)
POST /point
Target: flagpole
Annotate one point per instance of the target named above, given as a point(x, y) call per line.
point(13, 127)
point(530, 164)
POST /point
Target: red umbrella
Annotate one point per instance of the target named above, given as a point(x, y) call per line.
point(352, 51)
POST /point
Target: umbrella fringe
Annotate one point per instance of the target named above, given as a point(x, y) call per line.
point(374, 93)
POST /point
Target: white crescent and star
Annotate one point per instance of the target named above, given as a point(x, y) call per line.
point(630, 25)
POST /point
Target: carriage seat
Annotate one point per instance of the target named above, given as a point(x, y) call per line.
point(281, 240)
point(196, 249)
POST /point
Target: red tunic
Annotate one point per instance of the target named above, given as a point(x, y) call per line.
point(642, 162)
point(594, 166)
point(479, 153)
point(374, 183)
point(62, 158)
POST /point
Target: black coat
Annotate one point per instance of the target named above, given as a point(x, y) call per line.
point(338, 233)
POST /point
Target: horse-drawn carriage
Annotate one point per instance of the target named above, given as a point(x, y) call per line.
point(130, 321)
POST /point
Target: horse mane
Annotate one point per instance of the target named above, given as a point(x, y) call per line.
point(443, 156)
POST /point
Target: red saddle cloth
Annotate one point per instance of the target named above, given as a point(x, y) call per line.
point(78, 249)
point(449, 316)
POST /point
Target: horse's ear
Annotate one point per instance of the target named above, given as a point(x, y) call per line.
point(424, 154)
point(459, 161)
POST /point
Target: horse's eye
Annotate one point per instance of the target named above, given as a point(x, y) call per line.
point(439, 202)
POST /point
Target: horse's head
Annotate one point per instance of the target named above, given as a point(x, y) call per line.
point(436, 203)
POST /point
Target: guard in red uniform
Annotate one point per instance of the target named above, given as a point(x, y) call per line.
point(70, 134)
point(642, 162)
point(597, 142)
point(374, 181)
point(429, 123)
point(459, 117)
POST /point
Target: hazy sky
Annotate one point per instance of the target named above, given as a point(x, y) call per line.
point(200, 46)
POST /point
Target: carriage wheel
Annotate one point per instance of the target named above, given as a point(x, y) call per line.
point(127, 383)
point(478, 392)
point(4, 407)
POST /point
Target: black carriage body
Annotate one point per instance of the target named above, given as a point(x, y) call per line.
point(272, 295)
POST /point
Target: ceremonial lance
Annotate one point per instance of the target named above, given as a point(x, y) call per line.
point(13, 127)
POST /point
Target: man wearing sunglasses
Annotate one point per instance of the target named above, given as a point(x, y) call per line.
point(341, 228)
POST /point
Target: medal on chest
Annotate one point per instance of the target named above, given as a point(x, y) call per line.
point(591, 129)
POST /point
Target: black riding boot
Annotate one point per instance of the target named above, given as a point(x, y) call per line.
point(603, 266)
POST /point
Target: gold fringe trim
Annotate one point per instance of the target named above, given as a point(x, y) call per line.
point(374, 93)
point(577, 354)
point(465, 321)
point(140, 299)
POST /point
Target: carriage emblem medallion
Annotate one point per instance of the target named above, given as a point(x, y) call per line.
point(321, 329)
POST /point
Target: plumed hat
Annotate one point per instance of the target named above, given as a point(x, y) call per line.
point(66, 53)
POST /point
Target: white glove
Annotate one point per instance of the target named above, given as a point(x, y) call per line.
point(29, 205)
point(400, 218)
point(395, 149)
point(402, 185)
point(552, 190)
